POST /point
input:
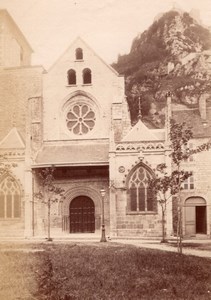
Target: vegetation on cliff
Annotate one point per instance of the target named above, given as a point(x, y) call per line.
point(173, 54)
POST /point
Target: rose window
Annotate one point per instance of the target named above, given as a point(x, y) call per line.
point(80, 119)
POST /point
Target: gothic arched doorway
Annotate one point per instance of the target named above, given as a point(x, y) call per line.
point(82, 215)
point(195, 216)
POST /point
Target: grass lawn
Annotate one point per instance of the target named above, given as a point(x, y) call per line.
point(59, 271)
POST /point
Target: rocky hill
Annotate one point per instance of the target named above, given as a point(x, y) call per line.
point(174, 54)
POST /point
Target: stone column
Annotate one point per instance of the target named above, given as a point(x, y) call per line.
point(112, 193)
point(28, 203)
point(33, 143)
point(169, 211)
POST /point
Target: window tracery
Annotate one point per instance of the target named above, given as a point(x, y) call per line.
point(80, 118)
point(10, 198)
point(141, 197)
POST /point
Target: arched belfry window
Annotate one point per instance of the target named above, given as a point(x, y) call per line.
point(78, 54)
point(87, 76)
point(71, 76)
point(10, 198)
point(140, 196)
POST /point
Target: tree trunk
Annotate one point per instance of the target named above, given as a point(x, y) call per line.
point(179, 229)
point(163, 227)
point(49, 221)
point(179, 221)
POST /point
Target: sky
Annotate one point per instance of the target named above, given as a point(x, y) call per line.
point(108, 26)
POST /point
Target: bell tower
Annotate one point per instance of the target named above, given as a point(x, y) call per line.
point(14, 49)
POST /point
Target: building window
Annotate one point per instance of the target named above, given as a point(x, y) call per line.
point(140, 195)
point(10, 199)
point(71, 76)
point(188, 184)
point(189, 147)
point(80, 119)
point(79, 54)
point(87, 76)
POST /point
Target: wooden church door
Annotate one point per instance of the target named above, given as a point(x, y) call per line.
point(82, 215)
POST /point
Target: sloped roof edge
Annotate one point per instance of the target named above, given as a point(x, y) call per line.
point(11, 20)
point(80, 39)
point(140, 132)
point(75, 154)
point(12, 140)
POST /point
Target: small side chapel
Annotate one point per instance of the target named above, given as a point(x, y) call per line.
point(75, 117)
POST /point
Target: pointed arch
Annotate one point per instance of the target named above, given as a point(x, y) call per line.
point(140, 197)
point(10, 198)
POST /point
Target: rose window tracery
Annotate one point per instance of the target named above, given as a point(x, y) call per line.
point(80, 119)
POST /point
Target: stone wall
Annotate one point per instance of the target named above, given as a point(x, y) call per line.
point(136, 224)
point(17, 85)
point(14, 49)
point(89, 187)
point(106, 88)
point(201, 168)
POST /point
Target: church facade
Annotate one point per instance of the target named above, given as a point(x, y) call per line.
point(74, 117)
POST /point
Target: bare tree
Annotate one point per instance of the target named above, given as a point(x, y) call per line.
point(49, 193)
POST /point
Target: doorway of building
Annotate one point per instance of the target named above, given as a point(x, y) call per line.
point(195, 216)
point(201, 224)
point(82, 215)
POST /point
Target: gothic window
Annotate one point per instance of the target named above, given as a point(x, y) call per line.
point(80, 119)
point(87, 76)
point(78, 54)
point(71, 75)
point(10, 199)
point(140, 195)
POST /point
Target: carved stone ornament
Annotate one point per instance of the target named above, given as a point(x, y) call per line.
point(121, 169)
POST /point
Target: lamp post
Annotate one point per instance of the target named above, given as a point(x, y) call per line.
point(103, 237)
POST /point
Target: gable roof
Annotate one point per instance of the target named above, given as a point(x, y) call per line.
point(79, 39)
point(140, 132)
point(12, 140)
point(5, 14)
point(192, 119)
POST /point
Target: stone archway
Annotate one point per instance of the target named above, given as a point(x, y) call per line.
point(81, 192)
point(195, 216)
point(82, 215)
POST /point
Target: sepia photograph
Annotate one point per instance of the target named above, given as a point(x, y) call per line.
point(105, 149)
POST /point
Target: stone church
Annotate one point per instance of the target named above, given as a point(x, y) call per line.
point(75, 117)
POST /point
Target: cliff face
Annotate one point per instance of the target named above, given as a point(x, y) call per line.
point(172, 55)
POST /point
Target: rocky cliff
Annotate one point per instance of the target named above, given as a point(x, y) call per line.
point(174, 54)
